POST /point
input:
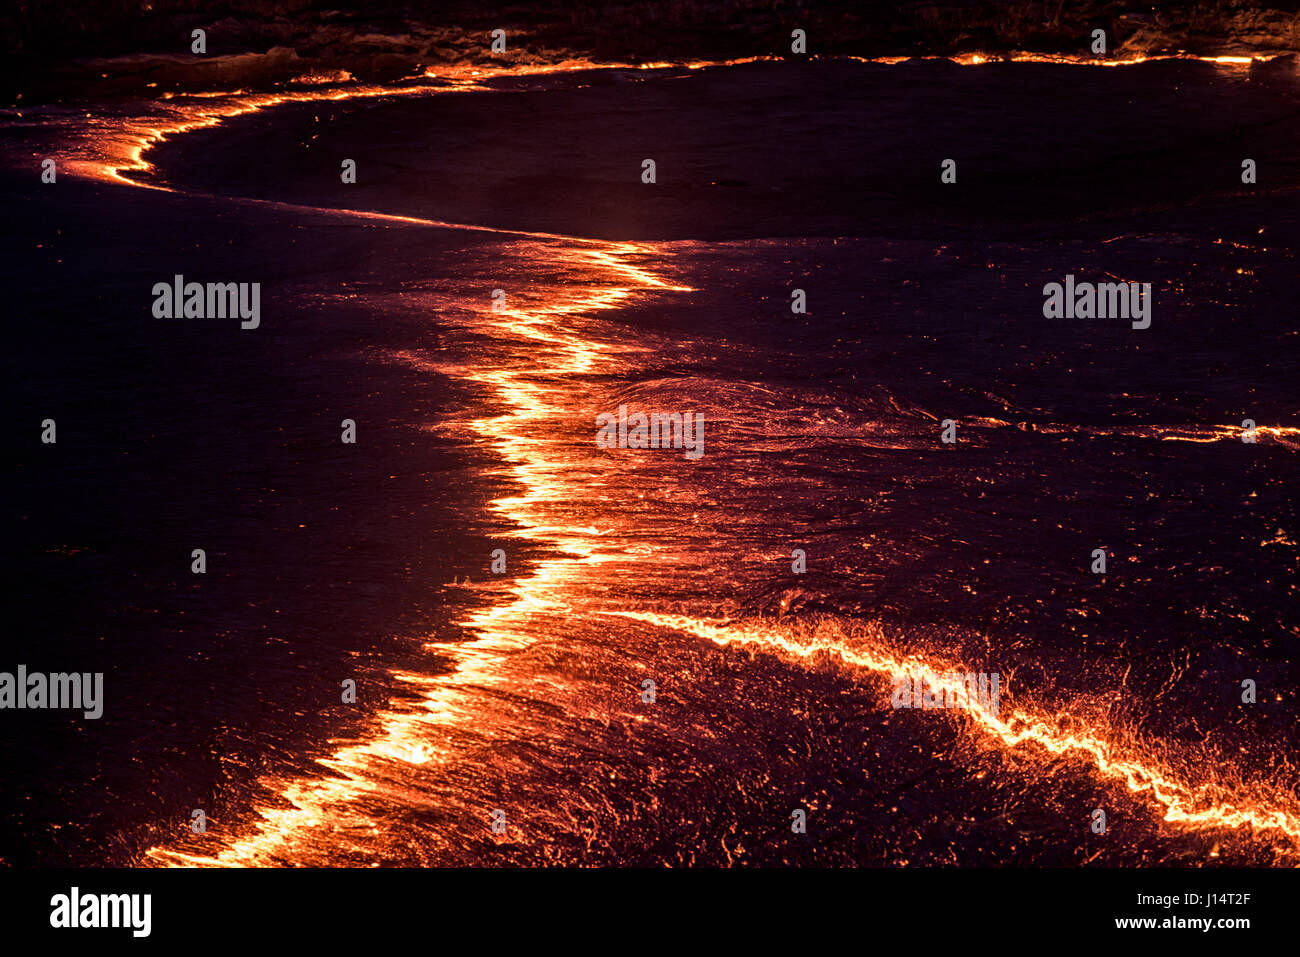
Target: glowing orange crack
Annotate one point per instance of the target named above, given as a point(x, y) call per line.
point(502, 628)
point(1179, 801)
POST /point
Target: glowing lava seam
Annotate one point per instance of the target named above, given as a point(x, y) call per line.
point(1012, 728)
point(335, 804)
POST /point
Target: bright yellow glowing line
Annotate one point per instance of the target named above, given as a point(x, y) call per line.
point(331, 804)
point(1206, 806)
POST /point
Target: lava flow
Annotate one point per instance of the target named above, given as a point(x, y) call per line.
point(1208, 805)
